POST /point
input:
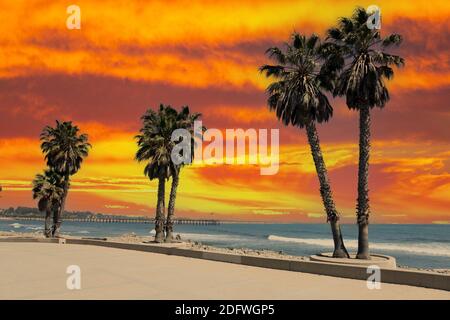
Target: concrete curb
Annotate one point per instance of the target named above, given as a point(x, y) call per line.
point(20, 239)
point(394, 276)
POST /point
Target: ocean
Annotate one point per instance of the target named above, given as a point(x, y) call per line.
point(421, 246)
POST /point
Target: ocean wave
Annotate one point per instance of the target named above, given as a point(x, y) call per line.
point(16, 225)
point(34, 228)
point(204, 236)
point(431, 248)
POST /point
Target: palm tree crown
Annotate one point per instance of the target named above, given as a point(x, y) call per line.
point(360, 53)
point(48, 188)
point(298, 95)
point(154, 142)
point(64, 147)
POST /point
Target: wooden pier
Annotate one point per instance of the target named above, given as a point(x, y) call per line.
point(200, 222)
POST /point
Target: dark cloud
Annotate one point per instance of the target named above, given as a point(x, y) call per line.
point(410, 115)
point(107, 100)
point(421, 37)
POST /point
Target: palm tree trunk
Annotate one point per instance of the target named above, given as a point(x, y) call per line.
point(44, 205)
point(325, 191)
point(160, 207)
point(48, 223)
point(57, 216)
point(171, 208)
point(362, 206)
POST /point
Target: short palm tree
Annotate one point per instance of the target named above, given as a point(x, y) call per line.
point(64, 148)
point(298, 98)
point(184, 120)
point(360, 54)
point(48, 189)
point(155, 147)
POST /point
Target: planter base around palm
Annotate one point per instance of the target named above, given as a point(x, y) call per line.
point(380, 260)
point(340, 253)
point(363, 256)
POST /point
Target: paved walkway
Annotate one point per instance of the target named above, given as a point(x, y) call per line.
point(38, 271)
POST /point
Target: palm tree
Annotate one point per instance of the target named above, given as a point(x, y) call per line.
point(184, 120)
point(359, 53)
point(64, 149)
point(47, 188)
point(155, 147)
point(298, 98)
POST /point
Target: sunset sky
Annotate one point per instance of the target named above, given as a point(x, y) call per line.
point(133, 55)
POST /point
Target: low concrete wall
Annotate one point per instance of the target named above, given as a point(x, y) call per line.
point(20, 239)
point(395, 276)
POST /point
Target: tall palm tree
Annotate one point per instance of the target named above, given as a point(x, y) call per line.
point(361, 56)
point(184, 120)
point(47, 188)
point(64, 148)
point(298, 98)
point(155, 147)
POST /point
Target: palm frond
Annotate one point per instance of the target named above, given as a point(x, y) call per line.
point(392, 39)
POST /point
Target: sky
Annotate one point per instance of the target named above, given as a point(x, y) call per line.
point(129, 56)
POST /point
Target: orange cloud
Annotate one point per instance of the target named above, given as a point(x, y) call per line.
point(400, 175)
point(203, 40)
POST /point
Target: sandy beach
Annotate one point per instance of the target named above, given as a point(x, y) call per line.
point(38, 271)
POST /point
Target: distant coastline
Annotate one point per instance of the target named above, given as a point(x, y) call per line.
point(86, 216)
point(35, 213)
